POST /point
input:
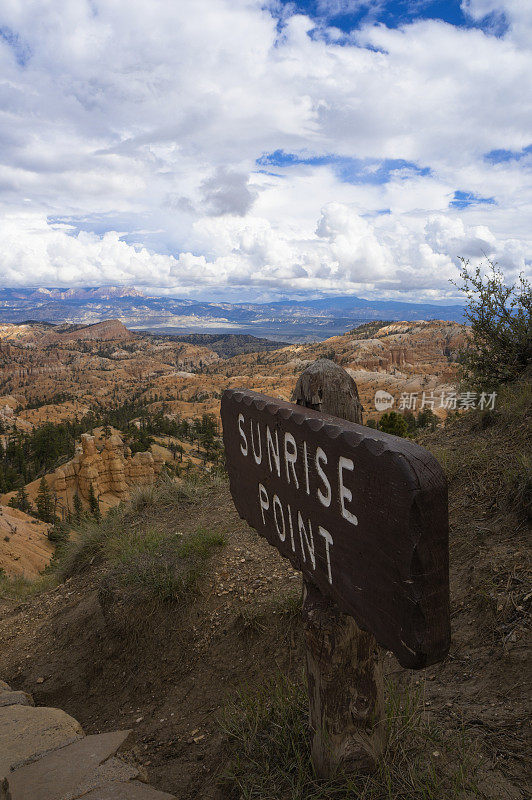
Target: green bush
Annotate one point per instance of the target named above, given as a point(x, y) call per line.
point(140, 545)
point(58, 532)
point(500, 316)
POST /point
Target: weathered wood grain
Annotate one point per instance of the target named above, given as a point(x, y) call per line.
point(325, 386)
point(343, 662)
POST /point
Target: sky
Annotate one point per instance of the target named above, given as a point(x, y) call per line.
point(259, 149)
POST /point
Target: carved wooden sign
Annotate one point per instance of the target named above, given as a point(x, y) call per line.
point(361, 513)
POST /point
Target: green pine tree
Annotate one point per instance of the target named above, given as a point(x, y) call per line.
point(21, 501)
point(78, 508)
point(94, 504)
point(394, 423)
point(45, 502)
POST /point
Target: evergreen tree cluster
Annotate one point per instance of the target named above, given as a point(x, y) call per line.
point(406, 424)
point(26, 456)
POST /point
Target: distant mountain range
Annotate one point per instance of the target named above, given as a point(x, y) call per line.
point(289, 320)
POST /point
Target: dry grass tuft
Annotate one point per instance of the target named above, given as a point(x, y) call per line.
point(139, 545)
point(269, 743)
point(22, 589)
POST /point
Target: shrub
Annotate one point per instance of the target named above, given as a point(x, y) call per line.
point(427, 419)
point(501, 325)
point(141, 546)
point(58, 532)
point(162, 565)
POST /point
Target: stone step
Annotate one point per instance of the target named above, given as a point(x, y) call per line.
point(67, 773)
point(127, 791)
point(114, 769)
point(27, 732)
point(15, 699)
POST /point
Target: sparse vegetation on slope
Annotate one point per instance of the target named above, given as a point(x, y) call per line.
point(139, 550)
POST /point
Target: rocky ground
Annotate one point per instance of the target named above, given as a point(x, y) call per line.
point(44, 753)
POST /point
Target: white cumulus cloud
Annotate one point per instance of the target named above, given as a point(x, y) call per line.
point(134, 144)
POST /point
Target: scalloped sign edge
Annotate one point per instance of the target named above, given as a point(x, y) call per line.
point(361, 513)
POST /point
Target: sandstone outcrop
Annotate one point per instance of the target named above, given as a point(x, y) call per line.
point(111, 472)
point(109, 329)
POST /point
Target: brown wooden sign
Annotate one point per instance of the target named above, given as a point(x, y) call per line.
point(361, 513)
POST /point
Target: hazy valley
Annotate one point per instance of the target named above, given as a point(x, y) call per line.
point(287, 320)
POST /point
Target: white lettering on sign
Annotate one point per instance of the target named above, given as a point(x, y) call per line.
point(292, 542)
point(290, 457)
point(273, 450)
point(303, 526)
point(264, 501)
point(305, 458)
point(256, 456)
point(328, 542)
point(325, 499)
point(345, 493)
point(309, 540)
point(243, 447)
point(278, 511)
point(308, 471)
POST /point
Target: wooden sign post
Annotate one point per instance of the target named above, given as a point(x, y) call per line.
point(363, 515)
point(343, 663)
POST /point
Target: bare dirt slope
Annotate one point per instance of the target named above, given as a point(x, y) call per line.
point(24, 545)
point(167, 669)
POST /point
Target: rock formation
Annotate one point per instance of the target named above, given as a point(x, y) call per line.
point(111, 472)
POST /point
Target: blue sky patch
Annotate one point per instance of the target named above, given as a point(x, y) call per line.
point(502, 156)
point(22, 51)
point(348, 15)
point(349, 170)
point(466, 199)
